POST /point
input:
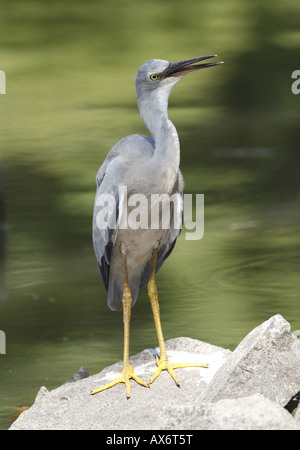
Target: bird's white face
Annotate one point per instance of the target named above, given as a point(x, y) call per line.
point(153, 74)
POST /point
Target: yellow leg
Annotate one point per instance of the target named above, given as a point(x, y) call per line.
point(127, 371)
point(163, 362)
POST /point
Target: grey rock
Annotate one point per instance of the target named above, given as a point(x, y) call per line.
point(247, 413)
point(246, 390)
point(267, 362)
point(79, 375)
point(41, 393)
point(71, 406)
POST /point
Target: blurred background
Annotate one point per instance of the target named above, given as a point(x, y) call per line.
point(70, 96)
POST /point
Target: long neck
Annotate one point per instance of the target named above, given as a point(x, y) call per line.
point(166, 158)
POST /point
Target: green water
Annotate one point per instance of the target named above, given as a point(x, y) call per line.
point(70, 97)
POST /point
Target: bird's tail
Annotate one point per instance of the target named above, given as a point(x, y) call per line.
point(115, 294)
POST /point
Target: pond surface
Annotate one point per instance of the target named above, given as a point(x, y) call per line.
point(70, 97)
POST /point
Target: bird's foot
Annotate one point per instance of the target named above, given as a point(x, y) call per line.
point(124, 377)
point(165, 364)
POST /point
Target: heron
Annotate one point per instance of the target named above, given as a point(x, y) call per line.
point(128, 258)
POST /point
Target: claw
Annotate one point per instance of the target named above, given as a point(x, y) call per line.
point(124, 377)
point(165, 364)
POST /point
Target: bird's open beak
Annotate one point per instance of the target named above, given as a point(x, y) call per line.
point(181, 68)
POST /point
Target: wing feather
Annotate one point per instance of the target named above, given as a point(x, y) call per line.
point(109, 179)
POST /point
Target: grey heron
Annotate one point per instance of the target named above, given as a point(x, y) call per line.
point(129, 258)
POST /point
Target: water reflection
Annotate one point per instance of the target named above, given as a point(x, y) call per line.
point(70, 97)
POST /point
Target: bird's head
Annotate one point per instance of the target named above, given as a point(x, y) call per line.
point(154, 82)
point(163, 75)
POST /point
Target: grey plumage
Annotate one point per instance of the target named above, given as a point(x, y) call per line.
point(107, 253)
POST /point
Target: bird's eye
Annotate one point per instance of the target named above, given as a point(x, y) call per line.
point(154, 77)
